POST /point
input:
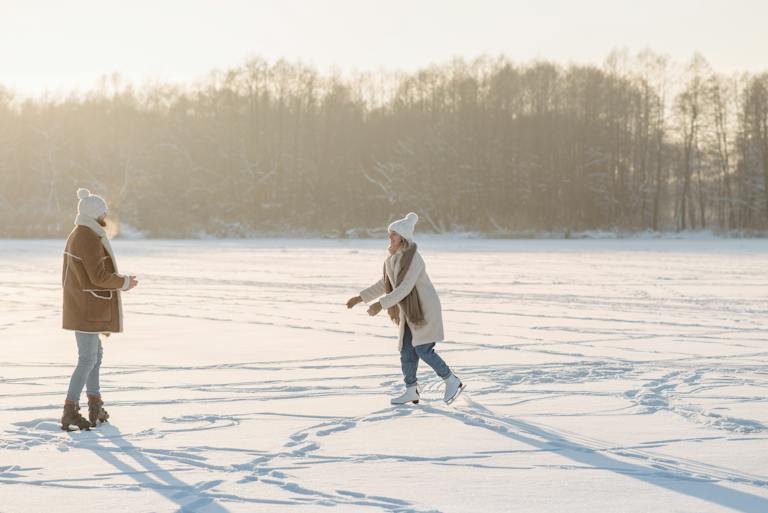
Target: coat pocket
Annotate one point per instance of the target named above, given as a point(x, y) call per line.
point(98, 305)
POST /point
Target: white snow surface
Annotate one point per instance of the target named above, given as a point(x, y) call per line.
point(603, 376)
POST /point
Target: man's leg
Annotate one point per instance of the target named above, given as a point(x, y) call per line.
point(92, 385)
point(87, 357)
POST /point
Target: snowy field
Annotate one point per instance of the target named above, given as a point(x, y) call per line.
point(603, 376)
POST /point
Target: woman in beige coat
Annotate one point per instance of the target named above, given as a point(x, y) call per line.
point(407, 293)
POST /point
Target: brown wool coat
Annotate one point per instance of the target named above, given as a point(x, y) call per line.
point(91, 285)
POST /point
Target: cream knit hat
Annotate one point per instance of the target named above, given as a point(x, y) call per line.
point(405, 226)
point(90, 205)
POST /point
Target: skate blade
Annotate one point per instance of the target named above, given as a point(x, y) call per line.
point(72, 429)
point(405, 403)
point(457, 394)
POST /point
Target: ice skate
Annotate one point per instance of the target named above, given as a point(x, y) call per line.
point(453, 387)
point(411, 395)
point(96, 412)
point(71, 416)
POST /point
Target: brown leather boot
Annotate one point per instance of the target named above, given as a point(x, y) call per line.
point(71, 416)
point(96, 411)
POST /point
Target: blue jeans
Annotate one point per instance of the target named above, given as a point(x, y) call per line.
point(409, 358)
point(86, 373)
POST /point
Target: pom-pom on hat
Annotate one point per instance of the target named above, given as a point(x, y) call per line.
point(405, 226)
point(90, 205)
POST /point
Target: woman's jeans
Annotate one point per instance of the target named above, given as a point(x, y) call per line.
point(86, 373)
point(409, 358)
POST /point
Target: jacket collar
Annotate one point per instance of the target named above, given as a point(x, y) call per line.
point(91, 223)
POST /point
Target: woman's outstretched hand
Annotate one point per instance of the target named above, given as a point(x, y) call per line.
point(374, 309)
point(353, 301)
point(132, 283)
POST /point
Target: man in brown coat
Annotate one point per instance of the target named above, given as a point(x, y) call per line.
point(92, 305)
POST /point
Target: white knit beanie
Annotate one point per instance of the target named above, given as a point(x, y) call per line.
point(405, 226)
point(90, 205)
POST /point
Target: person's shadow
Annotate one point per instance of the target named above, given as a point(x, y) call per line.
point(109, 443)
point(676, 480)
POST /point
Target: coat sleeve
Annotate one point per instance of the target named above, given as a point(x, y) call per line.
point(406, 286)
point(374, 291)
point(90, 252)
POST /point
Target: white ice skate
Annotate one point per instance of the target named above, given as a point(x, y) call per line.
point(453, 387)
point(411, 395)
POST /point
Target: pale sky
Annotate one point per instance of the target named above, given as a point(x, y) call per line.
point(63, 45)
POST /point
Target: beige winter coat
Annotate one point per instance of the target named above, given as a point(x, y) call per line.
point(432, 328)
point(91, 285)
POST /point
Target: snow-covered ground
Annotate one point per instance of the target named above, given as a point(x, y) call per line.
point(616, 376)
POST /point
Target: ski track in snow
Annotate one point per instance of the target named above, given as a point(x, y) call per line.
point(668, 334)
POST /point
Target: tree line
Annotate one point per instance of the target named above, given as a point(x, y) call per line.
point(637, 143)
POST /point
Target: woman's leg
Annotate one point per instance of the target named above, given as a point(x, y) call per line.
point(427, 353)
point(88, 354)
point(92, 386)
point(453, 385)
point(409, 360)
